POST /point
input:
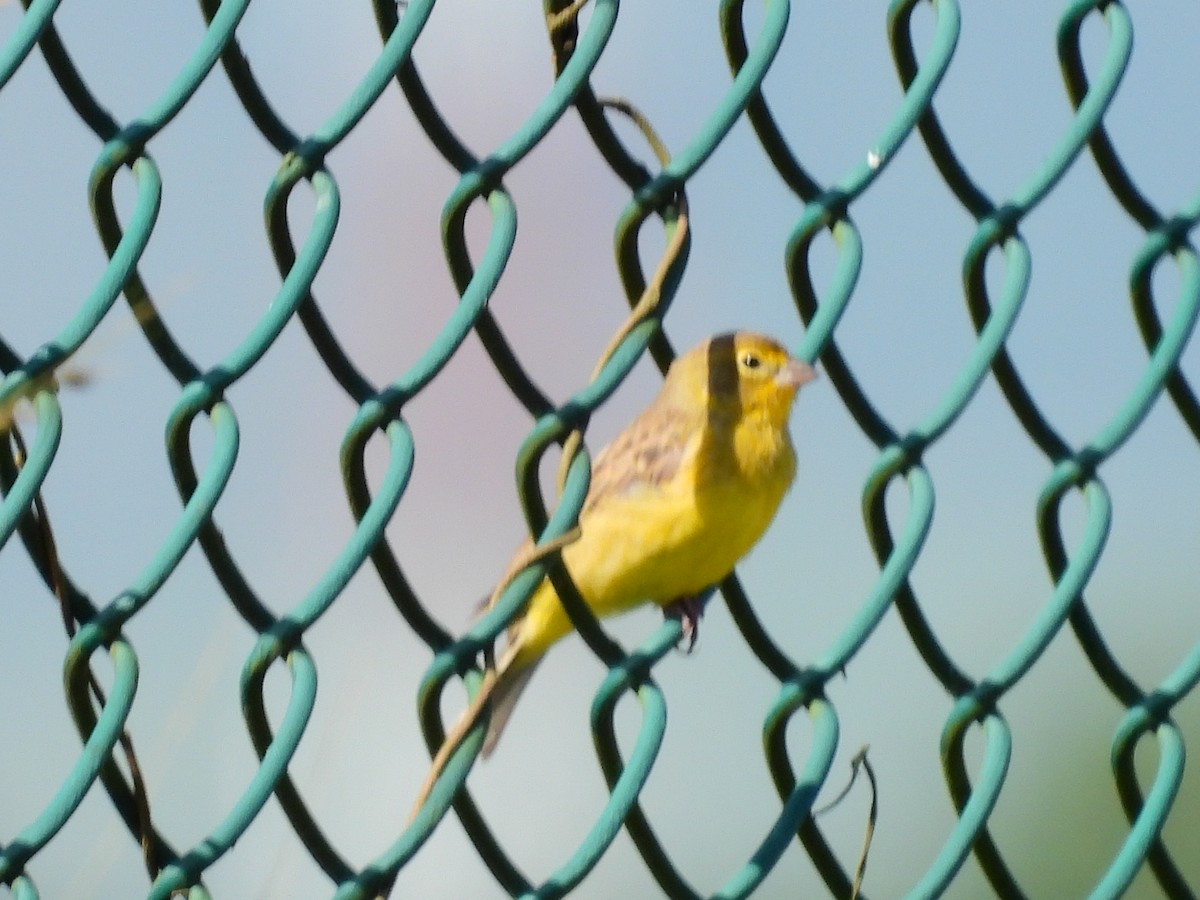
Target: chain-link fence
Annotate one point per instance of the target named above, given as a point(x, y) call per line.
point(1034, 742)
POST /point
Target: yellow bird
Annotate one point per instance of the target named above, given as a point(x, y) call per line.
point(676, 500)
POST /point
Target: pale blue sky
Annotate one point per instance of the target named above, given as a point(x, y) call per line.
point(386, 292)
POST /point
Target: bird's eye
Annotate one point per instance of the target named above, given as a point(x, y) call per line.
point(750, 361)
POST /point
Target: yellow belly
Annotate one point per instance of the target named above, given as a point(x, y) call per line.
point(654, 546)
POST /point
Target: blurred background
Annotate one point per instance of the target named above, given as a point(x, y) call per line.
point(386, 291)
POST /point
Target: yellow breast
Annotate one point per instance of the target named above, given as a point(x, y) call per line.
point(671, 540)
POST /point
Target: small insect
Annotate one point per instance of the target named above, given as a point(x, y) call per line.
point(81, 371)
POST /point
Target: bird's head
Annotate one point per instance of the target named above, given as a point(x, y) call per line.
point(742, 374)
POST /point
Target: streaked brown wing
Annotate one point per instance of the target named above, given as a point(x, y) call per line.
point(647, 453)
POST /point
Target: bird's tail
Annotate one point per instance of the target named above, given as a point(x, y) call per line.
point(510, 682)
point(501, 687)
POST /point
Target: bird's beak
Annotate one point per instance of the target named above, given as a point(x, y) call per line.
point(795, 374)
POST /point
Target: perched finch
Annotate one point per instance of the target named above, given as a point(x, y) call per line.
point(676, 500)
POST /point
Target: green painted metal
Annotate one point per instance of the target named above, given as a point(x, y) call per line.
point(579, 46)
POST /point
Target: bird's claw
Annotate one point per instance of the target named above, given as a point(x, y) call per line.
point(688, 610)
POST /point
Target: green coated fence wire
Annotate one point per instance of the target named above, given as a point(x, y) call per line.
point(755, 130)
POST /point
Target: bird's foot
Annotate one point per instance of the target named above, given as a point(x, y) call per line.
point(688, 610)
